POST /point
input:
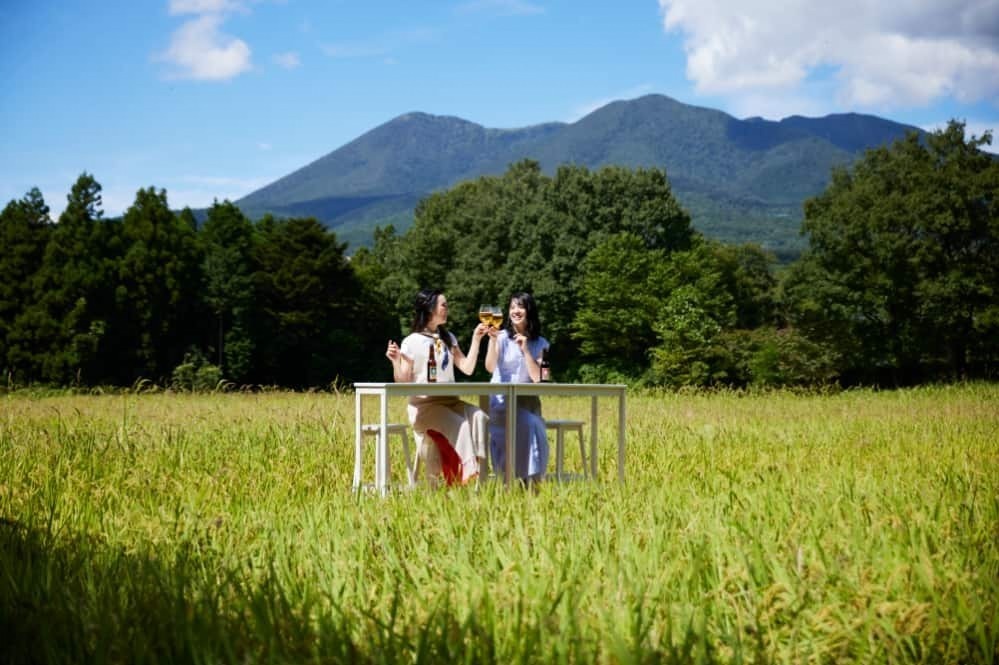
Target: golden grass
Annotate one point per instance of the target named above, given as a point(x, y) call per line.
point(859, 526)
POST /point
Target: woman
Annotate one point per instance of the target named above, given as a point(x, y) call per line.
point(463, 425)
point(514, 356)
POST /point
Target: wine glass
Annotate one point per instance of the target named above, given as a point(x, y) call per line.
point(497, 316)
point(486, 314)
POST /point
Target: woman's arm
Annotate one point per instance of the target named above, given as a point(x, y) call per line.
point(533, 368)
point(402, 365)
point(492, 350)
point(467, 363)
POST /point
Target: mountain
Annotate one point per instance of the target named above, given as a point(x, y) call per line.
point(742, 180)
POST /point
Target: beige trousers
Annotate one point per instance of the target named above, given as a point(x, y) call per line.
point(464, 425)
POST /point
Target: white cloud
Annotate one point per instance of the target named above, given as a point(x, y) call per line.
point(287, 60)
point(502, 7)
point(200, 51)
point(877, 55)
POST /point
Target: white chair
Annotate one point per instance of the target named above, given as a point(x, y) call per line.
point(372, 430)
point(561, 427)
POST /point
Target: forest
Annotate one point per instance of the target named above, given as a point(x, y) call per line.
point(898, 284)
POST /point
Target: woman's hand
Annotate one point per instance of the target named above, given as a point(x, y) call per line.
point(402, 365)
point(480, 331)
point(521, 341)
point(393, 353)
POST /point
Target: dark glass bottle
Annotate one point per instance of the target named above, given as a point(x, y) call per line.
point(432, 365)
point(546, 368)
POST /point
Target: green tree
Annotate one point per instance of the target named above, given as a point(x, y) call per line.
point(615, 323)
point(24, 232)
point(483, 239)
point(61, 331)
point(227, 268)
point(901, 272)
point(157, 286)
point(698, 307)
point(306, 307)
point(387, 291)
point(475, 241)
point(581, 210)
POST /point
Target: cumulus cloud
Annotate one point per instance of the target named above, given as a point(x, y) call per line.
point(876, 55)
point(200, 50)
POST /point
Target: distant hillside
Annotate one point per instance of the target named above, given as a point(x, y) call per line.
point(742, 180)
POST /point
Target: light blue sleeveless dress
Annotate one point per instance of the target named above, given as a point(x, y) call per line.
point(532, 440)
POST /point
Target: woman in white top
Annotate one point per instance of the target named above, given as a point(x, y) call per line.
point(463, 425)
point(514, 356)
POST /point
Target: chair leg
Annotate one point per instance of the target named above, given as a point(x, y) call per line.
point(410, 471)
point(417, 460)
point(559, 453)
point(357, 463)
point(582, 452)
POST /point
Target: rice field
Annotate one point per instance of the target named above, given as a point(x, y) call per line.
point(859, 526)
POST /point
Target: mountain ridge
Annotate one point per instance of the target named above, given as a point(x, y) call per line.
point(742, 180)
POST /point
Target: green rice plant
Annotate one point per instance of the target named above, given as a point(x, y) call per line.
point(751, 528)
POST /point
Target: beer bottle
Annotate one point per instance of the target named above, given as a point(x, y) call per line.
point(546, 368)
point(432, 365)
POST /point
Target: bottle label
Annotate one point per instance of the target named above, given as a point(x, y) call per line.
point(546, 374)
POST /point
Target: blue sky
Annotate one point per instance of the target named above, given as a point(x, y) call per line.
point(215, 98)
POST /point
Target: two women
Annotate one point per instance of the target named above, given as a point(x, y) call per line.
point(513, 355)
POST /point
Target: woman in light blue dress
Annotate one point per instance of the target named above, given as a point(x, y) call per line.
point(514, 356)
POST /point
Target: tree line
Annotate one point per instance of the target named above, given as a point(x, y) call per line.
point(899, 282)
point(153, 295)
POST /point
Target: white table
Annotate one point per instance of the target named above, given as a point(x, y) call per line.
point(386, 391)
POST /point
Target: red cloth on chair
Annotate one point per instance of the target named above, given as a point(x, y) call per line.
point(450, 462)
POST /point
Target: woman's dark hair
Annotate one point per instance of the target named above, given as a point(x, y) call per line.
point(525, 300)
point(423, 309)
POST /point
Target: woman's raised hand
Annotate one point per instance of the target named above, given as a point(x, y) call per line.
point(393, 353)
point(481, 329)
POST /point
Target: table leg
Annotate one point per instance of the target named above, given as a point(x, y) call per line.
point(511, 433)
point(483, 472)
point(357, 440)
point(381, 459)
point(620, 437)
point(593, 437)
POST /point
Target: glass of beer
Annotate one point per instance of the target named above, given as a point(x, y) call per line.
point(486, 314)
point(497, 317)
